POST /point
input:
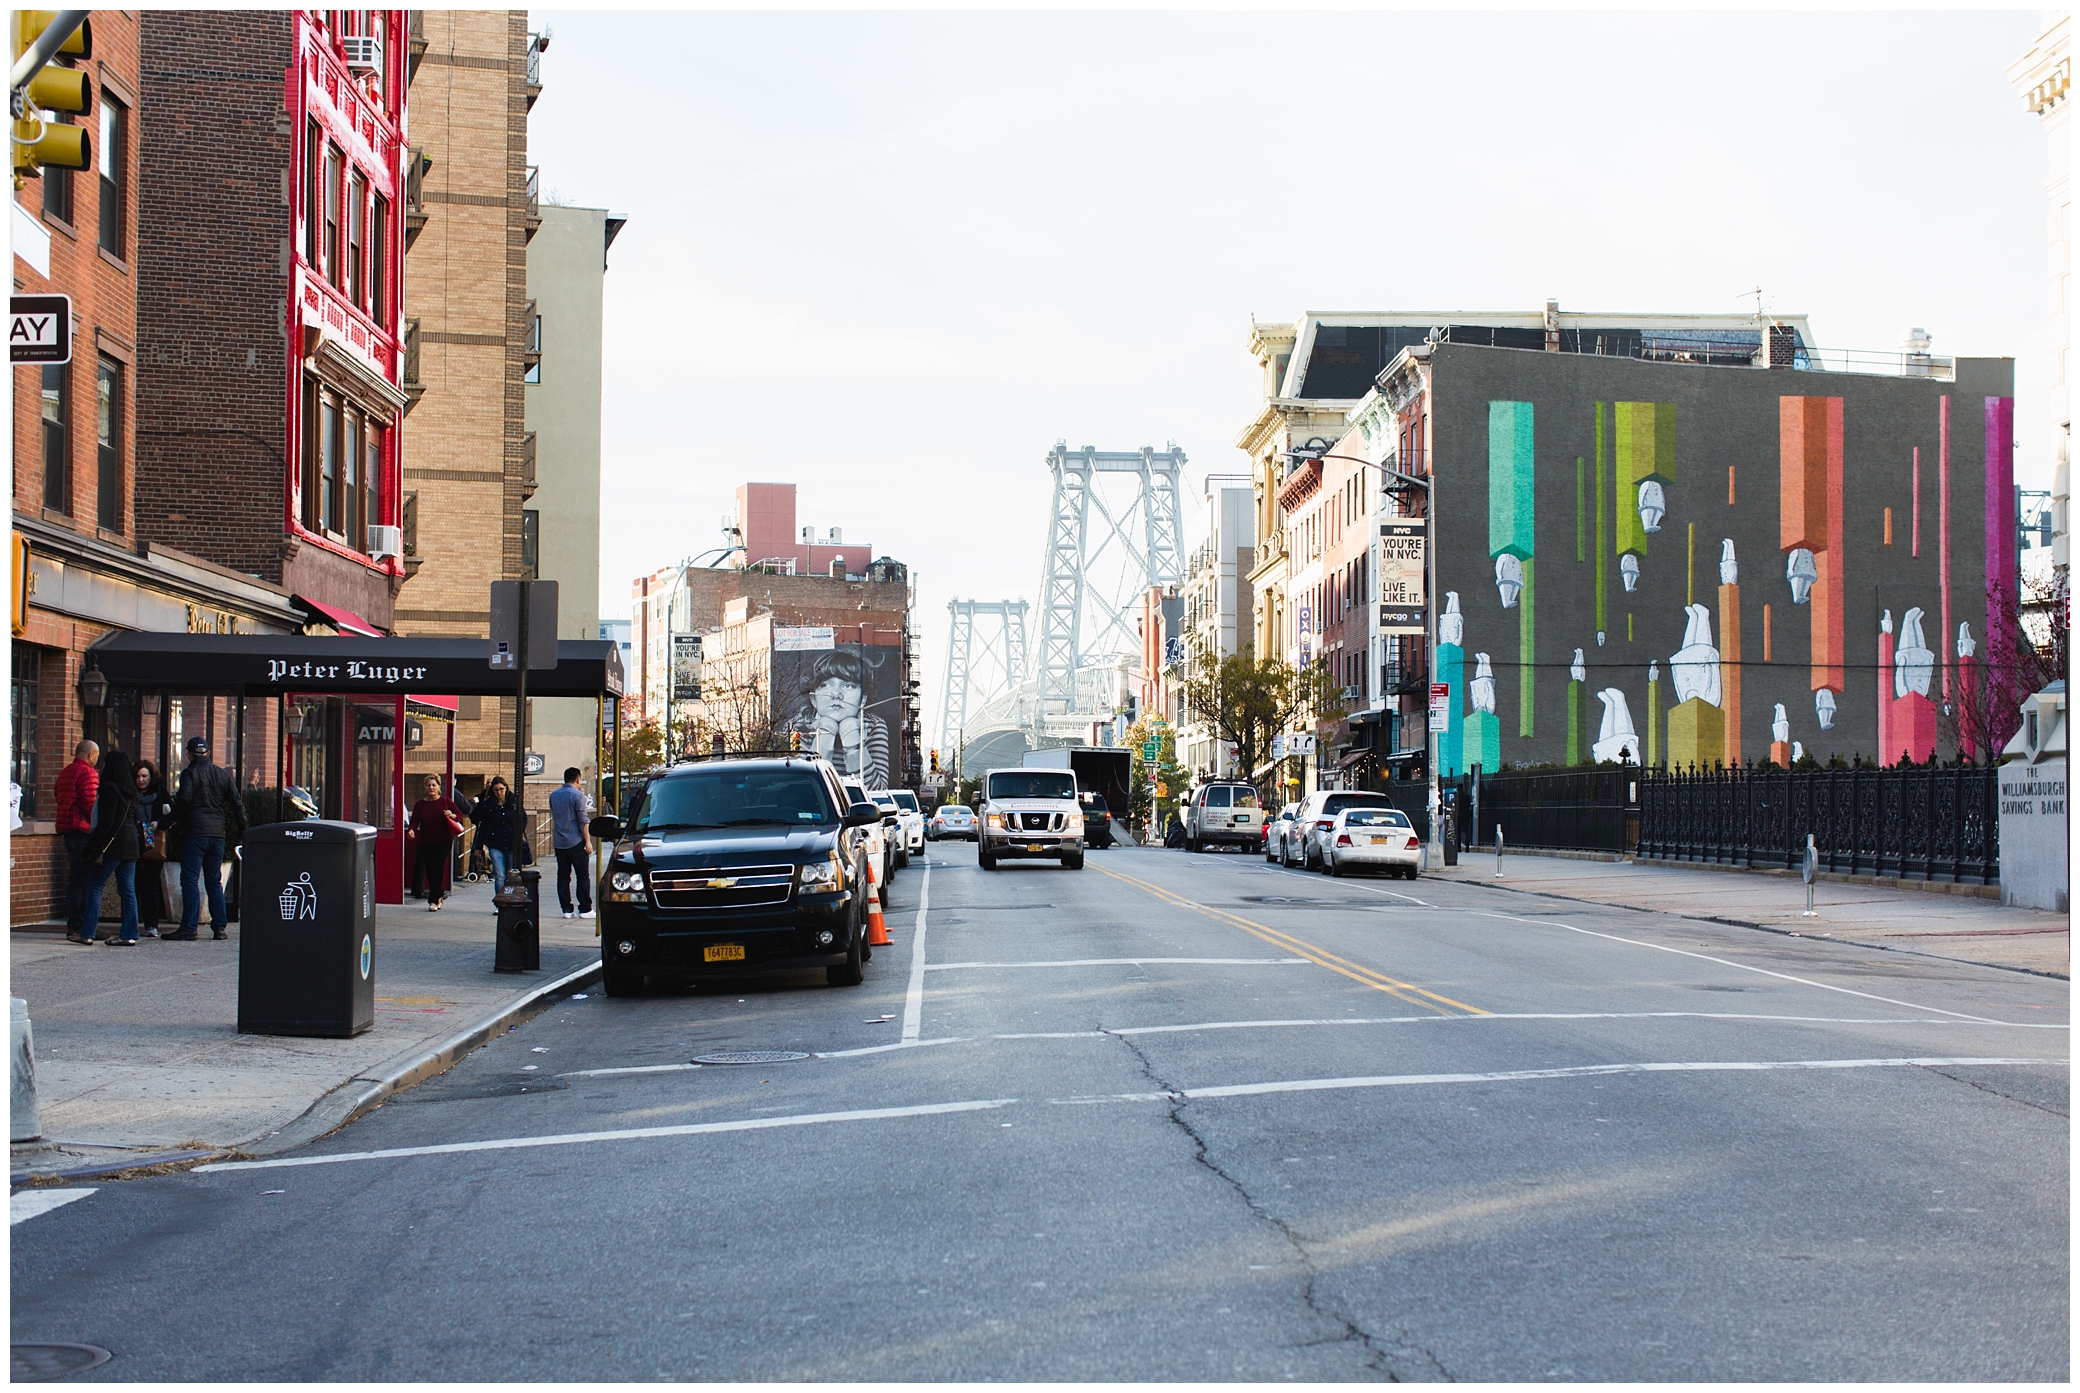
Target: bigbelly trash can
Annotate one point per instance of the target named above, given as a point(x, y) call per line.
point(306, 945)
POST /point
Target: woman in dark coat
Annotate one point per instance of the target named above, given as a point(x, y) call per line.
point(435, 824)
point(154, 806)
point(113, 845)
point(493, 816)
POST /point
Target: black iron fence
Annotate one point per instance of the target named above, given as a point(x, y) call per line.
point(1917, 824)
point(1591, 809)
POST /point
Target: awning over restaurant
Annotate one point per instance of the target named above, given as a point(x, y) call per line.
point(267, 664)
point(334, 617)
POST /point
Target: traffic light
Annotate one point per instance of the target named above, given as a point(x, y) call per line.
point(39, 141)
point(795, 741)
point(935, 762)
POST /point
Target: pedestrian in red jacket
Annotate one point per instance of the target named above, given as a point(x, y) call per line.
point(78, 786)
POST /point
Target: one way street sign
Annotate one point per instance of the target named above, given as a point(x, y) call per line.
point(39, 329)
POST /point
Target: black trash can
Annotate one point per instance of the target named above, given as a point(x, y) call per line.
point(519, 925)
point(306, 943)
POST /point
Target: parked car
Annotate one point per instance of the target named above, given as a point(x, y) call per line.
point(1276, 830)
point(1030, 813)
point(1317, 814)
point(880, 837)
point(1370, 838)
point(1097, 821)
point(954, 821)
point(734, 867)
point(912, 820)
point(1223, 814)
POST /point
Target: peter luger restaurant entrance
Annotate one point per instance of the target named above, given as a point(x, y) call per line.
point(311, 727)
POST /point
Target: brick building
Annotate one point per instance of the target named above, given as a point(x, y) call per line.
point(469, 461)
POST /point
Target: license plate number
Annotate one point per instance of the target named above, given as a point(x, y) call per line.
point(724, 953)
point(1035, 846)
point(1377, 841)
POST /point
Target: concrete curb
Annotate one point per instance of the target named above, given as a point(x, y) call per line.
point(1829, 937)
point(371, 1087)
point(116, 1165)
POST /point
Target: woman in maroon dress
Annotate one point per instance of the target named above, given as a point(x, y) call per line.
point(435, 824)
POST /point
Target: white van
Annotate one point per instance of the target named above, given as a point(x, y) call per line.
point(1223, 815)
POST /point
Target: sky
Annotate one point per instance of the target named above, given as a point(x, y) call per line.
point(893, 258)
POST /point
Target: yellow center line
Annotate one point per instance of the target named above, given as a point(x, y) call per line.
point(1320, 957)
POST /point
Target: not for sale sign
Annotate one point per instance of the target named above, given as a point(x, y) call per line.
point(39, 329)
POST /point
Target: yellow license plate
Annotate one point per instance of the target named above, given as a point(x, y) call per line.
point(724, 953)
point(1377, 841)
point(1035, 846)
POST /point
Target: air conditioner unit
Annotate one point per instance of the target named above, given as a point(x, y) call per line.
point(385, 541)
point(364, 53)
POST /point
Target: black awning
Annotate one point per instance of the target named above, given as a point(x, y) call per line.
point(265, 664)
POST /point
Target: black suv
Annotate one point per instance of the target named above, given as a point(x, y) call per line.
point(735, 867)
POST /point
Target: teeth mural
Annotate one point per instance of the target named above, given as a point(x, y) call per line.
point(1823, 707)
point(1653, 506)
point(1801, 570)
point(1509, 579)
point(1617, 740)
point(1577, 671)
point(1729, 569)
point(1628, 571)
point(1697, 725)
point(1914, 664)
point(1481, 690)
point(1695, 667)
point(1780, 728)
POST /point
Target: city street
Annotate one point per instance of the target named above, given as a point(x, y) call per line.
point(1170, 1117)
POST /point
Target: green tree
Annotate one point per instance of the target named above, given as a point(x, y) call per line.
point(1149, 809)
point(1246, 700)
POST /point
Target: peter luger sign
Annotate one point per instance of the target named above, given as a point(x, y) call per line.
point(353, 670)
point(1402, 603)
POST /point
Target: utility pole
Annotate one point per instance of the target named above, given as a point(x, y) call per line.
point(520, 744)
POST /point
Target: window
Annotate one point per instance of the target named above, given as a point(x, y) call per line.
point(530, 541)
point(357, 239)
point(26, 675)
point(329, 253)
point(313, 192)
point(350, 486)
point(534, 348)
point(57, 437)
point(378, 243)
point(114, 158)
point(328, 462)
point(108, 439)
point(57, 194)
point(310, 454)
point(371, 479)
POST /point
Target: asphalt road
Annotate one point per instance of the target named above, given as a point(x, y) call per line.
point(1171, 1117)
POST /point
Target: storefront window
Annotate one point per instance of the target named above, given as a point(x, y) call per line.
point(375, 763)
point(27, 673)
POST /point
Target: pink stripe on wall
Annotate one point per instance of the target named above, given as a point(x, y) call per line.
point(2002, 580)
point(1946, 649)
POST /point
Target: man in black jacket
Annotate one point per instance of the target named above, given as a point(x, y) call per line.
point(206, 808)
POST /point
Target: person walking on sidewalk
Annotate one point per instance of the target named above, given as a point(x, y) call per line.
point(78, 788)
point(493, 815)
point(573, 844)
point(113, 847)
point(154, 900)
point(207, 809)
point(435, 824)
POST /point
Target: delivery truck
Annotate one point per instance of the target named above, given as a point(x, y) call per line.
point(1101, 769)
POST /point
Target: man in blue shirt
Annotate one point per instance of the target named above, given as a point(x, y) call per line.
point(573, 844)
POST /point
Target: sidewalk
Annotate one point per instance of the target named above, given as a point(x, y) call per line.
point(1964, 928)
point(138, 1049)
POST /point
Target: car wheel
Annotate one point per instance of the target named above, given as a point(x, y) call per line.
point(620, 982)
point(903, 858)
point(1073, 863)
point(849, 973)
point(1334, 867)
point(986, 861)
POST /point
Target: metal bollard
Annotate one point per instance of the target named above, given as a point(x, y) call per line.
point(1498, 851)
point(1810, 870)
point(21, 1097)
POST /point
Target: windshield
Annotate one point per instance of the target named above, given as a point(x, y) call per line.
point(906, 801)
point(1374, 817)
point(726, 797)
point(1031, 783)
point(1339, 802)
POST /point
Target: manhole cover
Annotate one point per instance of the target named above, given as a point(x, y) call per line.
point(750, 1057)
point(1280, 899)
point(42, 1363)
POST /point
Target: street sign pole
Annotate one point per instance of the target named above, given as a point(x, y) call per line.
point(520, 747)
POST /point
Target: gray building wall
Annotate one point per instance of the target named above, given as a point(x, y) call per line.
point(566, 279)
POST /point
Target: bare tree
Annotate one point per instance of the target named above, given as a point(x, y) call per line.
point(1983, 712)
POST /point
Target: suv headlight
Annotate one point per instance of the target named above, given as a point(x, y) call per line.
point(624, 886)
point(994, 820)
point(1074, 822)
point(827, 874)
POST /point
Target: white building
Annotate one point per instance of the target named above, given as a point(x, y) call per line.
point(2044, 77)
point(1217, 601)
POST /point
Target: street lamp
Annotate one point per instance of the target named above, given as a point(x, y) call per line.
point(1400, 483)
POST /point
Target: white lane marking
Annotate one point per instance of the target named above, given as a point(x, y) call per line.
point(1126, 962)
point(1246, 1090)
point(884, 1049)
point(630, 1069)
point(27, 1204)
point(1744, 967)
point(690, 1129)
point(913, 1004)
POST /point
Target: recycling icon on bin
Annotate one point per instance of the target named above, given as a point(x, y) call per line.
point(300, 898)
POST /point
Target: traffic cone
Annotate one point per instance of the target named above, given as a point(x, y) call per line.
point(877, 927)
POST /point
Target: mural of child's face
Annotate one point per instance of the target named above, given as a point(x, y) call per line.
point(835, 699)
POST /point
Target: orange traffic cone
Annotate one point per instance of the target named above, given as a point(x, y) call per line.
point(877, 927)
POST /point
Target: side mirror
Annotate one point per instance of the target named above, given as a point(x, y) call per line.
point(862, 815)
point(606, 827)
point(891, 818)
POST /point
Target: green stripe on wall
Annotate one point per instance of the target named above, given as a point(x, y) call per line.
point(1526, 668)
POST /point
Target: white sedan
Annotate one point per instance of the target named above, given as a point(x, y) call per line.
point(1371, 838)
point(955, 820)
